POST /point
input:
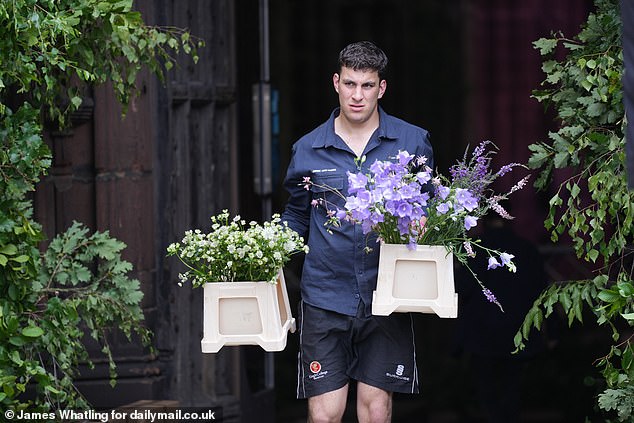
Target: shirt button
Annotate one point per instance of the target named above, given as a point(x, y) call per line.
point(356, 295)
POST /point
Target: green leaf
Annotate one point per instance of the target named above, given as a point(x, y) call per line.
point(545, 45)
point(21, 259)
point(555, 201)
point(52, 389)
point(32, 332)
point(627, 359)
point(593, 255)
point(596, 109)
point(609, 296)
point(8, 249)
point(18, 341)
point(561, 159)
point(76, 101)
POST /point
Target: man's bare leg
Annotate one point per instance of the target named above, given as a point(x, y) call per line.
point(328, 407)
point(374, 405)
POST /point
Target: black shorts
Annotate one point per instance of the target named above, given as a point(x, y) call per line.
point(334, 348)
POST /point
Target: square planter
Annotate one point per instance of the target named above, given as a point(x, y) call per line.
point(418, 280)
point(246, 313)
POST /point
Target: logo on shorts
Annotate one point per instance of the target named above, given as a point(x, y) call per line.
point(315, 366)
point(398, 374)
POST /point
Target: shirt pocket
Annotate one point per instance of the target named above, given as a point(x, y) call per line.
point(327, 183)
point(329, 187)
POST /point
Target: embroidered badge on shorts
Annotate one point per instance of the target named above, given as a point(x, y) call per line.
point(315, 366)
point(317, 372)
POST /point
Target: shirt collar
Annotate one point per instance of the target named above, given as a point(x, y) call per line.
point(328, 138)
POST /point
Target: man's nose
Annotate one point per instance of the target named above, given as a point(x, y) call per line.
point(357, 94)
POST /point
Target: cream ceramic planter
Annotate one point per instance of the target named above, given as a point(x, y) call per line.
point(418, 280)
point(246, 313)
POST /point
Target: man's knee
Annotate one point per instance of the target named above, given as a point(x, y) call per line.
point(328, 407)
point(321, 415)
point(374, 405)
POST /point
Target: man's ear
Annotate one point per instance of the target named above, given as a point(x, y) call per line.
point(382, 87)
point(335, 81)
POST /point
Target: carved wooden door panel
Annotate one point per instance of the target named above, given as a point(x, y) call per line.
point(168, 166)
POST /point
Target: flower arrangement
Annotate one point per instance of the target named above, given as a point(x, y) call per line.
point(403, 202)
point(236, 251)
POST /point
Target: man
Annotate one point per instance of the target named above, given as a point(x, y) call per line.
point(340, 339)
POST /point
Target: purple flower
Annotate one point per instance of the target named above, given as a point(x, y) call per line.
point(356, 181)
point(470, 222)
point(479, 150)
point(417, 213)
point(443, 208)
point(378, 168)
point(423, 177)
point(466, 199)
point(490, 296)
point(506, 169)
point(364, 196)
point(506, 261)
point(390, 207)
point(469, 249)
point(493, 263)
point(404, 209)
point(519, 185)
point(376, 217)
point(366, 225)
point(506, 258)
point(386, 193)
point(493, 203)
point(403, 225)
point(360, 215)
point(404, 158)
point(409, 191)
point(457, 173)
point(443, 192)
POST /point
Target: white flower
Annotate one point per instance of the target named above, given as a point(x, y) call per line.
point(234, 250)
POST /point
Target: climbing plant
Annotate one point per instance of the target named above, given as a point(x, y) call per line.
point(592, 207)
point(50, 299)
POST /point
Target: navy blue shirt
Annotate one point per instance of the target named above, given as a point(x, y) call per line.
point(338, 272)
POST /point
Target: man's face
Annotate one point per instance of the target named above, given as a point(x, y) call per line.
point(359, 92)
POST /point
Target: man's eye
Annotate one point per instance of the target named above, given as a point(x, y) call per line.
point(349, 84)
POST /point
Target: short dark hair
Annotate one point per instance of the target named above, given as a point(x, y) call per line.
point(363, 55)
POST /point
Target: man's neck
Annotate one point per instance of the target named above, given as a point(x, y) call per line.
point(356, 134)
